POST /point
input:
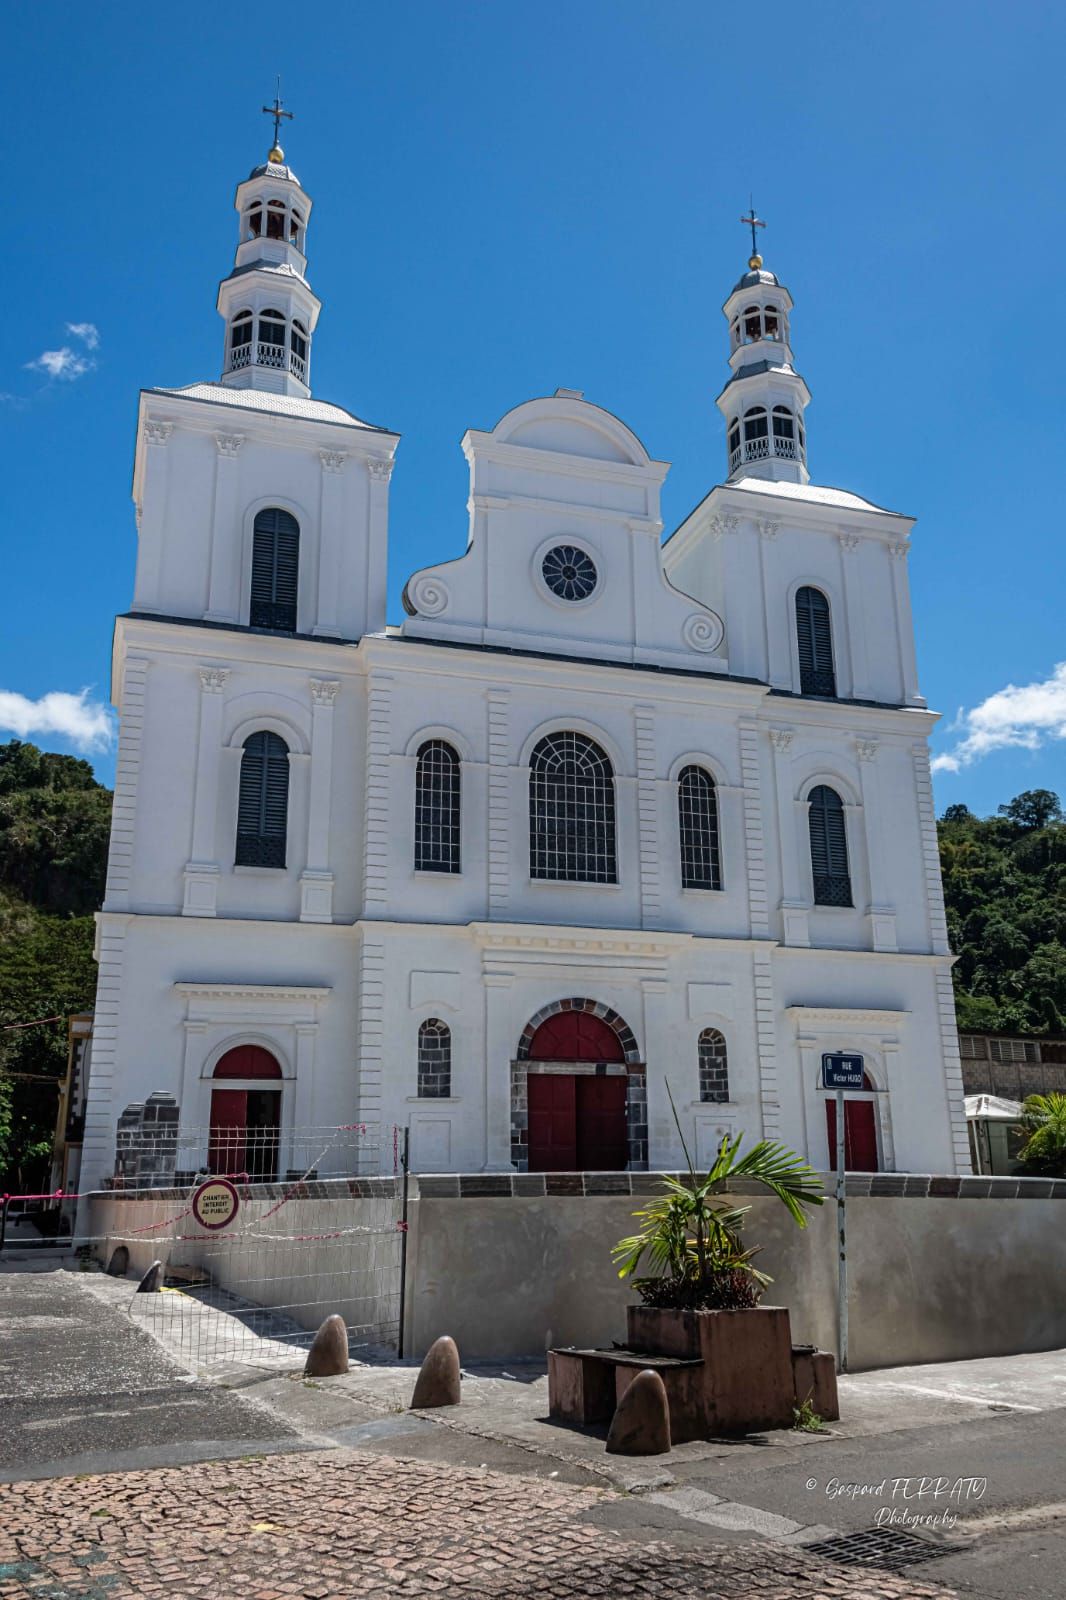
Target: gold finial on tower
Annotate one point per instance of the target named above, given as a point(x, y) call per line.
point(277, 154)
point(752, 221)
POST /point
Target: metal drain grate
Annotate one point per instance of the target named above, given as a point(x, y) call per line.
point(877, 1547)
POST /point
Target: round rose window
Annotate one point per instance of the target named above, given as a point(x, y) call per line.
point(569, 572)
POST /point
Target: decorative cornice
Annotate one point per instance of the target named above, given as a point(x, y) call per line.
point(324, 690)
point(379, 467)
point(332, 460)
point(213, 679)
point(229, 444)
point(253, 991)
point(822, 1015)
point(867, 749)
point(158, 432)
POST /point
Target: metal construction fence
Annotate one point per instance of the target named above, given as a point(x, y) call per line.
point(251, 1264)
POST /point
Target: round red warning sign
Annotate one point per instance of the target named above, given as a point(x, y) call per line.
point(215, 1204)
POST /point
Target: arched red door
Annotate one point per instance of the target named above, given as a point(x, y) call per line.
point(860, 1133)
point(245, 1122)
point(577, 1120)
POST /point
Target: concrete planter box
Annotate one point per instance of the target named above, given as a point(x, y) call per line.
point(745, 1380)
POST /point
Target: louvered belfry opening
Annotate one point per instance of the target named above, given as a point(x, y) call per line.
point(275, 570)
point(815, 639)
point(697, 819)
point(829, 848)
point(437, 808)
point(571, 811)
point(263, 807)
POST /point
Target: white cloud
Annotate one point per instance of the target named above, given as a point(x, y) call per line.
point(87, 332)
point(88, 724)
point(1020, 717)
point(63, 364)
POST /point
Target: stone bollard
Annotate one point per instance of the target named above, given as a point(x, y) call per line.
point(641, 1423)
point(149, 1284)
point(328, 1354)
point(119, 1264)
point(438, 1380)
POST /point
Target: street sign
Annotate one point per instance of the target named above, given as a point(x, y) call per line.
point(842, 1072)
point(215, 1204)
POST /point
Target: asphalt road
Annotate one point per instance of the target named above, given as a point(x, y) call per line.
point(84, 1390)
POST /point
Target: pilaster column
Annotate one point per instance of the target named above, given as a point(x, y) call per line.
point(880, 913)
point(898, 550)
point(377, 537)
point(499, 801)
point(377, 826)
point(662, 1149)
point(224, 582)
point(202, 872)
point(195, 1106)
point(316, 881)
point(152, 516)
point(855, 622)
point(754, 836)
point(647, 816)
point(795, 904)
point(303, 1111)
point(776, 639)
point(500, 1044)
point(330, 535)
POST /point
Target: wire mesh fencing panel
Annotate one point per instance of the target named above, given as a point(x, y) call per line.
point(255, 1290)
point(158, 1154)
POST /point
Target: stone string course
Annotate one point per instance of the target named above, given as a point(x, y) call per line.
point(343, 1525)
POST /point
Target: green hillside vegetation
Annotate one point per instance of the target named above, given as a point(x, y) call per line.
point(1004, 883)
point(1005, 888)
point(54, 823)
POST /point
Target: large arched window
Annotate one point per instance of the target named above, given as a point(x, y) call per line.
point(571, 811)
point(275, 570)
point(829, 848)
point(714, 1066)
point(263, 807)
point(434, 1060)
point(271, 351)
point(437, 808)
point(697, 824)
point(814, 637)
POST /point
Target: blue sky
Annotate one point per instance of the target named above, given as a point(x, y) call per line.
point(512, 198)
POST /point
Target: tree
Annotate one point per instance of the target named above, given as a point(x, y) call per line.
point(1044, 1122)
point(1033, 809)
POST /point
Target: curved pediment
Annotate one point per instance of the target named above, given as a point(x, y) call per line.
point(568, 425)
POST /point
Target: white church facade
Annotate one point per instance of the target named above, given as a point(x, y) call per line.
point(603, 815)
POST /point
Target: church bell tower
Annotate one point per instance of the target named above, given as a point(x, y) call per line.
point(266, 302)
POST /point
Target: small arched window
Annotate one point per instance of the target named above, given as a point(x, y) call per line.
point(714, 1067)
point(275, 570)
point(784, 427)
point(734, 435)
point(241, 332)
point(814, 637)
point(697, 820)
point(771, 322)
point(438, 812)
point(829, 848)
point(275, 219)
point(755, 424)
point(735, 331)
point(434, 1060)
point(255, 221)
point(571, 811)
point(296, 223)
point(263, 806)
point(271, 327)
point(752, 324)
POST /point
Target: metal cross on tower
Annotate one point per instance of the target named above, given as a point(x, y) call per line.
point(752, 221)
point(278, 114)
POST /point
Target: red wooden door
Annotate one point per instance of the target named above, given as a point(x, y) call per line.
point(602, 1143)
point(229, 1119)
point(575, 1036)
point(552, 1122)
point(860, 1135)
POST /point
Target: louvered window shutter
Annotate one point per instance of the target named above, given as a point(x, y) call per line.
point(263, 805)
point(275, 570)
point(815, 639)
point(829, 848)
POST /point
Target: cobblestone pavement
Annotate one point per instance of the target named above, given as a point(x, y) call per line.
point(336, 1525)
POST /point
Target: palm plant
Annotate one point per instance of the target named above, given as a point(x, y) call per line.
point(693, 1242)
point(1044, 1124)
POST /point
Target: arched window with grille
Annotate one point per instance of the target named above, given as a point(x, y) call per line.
point(434, 1060)
point(814, 636)
point(829, 848)
point(438, 811)
point(571, 811)
point(697, 824)
point(263, 806)
point(714, 1066)
point(275, 570)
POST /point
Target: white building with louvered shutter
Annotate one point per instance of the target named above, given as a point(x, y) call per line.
point(603, 815)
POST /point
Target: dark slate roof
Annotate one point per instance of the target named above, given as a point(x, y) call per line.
point(752, 280)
